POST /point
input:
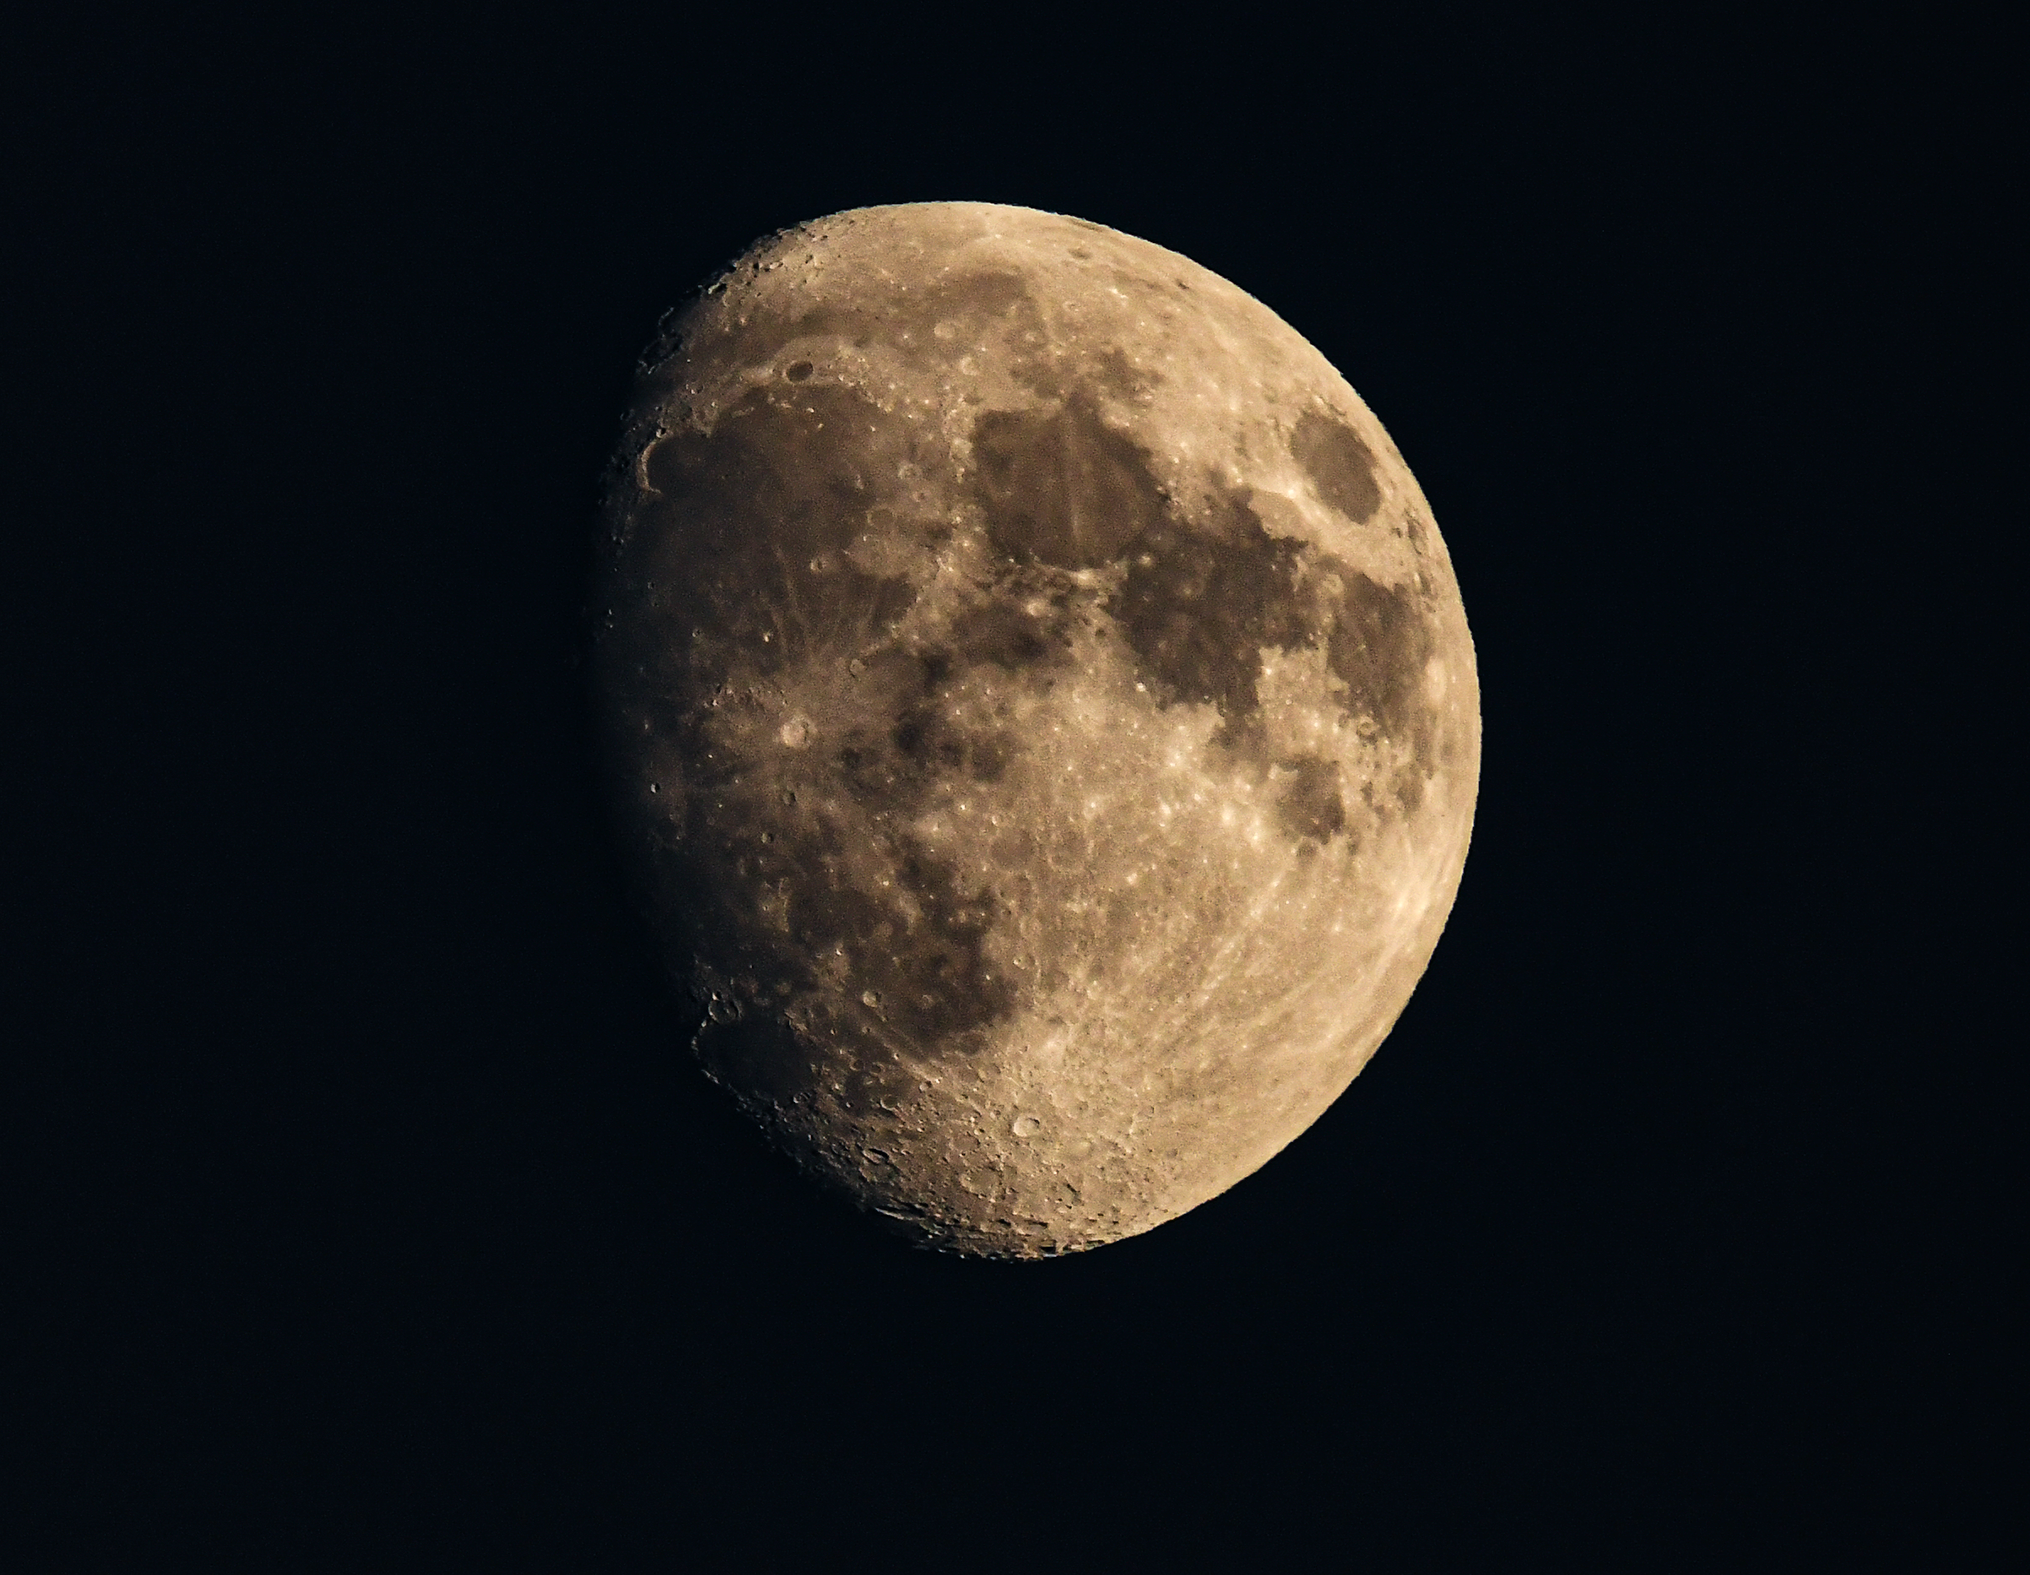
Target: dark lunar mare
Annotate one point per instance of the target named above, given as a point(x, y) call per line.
point(1339, 464)
point(1378, 644)
point(1207, 588)
point(740, 566)
point(1310, 806)
point(1059, 486)
point(786, 480)
point(863, 939)
point(1201, 600)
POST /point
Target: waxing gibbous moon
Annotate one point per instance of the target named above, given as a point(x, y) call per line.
point(1041, 716)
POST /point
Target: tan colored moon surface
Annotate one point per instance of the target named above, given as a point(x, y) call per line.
point(1042, 716)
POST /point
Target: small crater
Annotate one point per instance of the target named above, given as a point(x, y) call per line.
point(1026, 1126)
point(799, 371)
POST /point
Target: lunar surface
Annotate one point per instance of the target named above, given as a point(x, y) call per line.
point(1041, 712)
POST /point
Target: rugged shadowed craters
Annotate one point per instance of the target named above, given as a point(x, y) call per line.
point(1042, 725)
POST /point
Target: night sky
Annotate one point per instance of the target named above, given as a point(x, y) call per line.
point(388, 1224)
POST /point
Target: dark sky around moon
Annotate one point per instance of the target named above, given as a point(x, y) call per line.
point(373, 1215)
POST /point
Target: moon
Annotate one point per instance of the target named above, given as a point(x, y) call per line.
point(1040, 715)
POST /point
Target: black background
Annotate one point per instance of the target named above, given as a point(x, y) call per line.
point(378, 1218)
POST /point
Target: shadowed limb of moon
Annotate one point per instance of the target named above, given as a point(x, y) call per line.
point(1041, 716)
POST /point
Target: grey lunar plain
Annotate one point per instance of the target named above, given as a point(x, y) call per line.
point(1042, 714)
